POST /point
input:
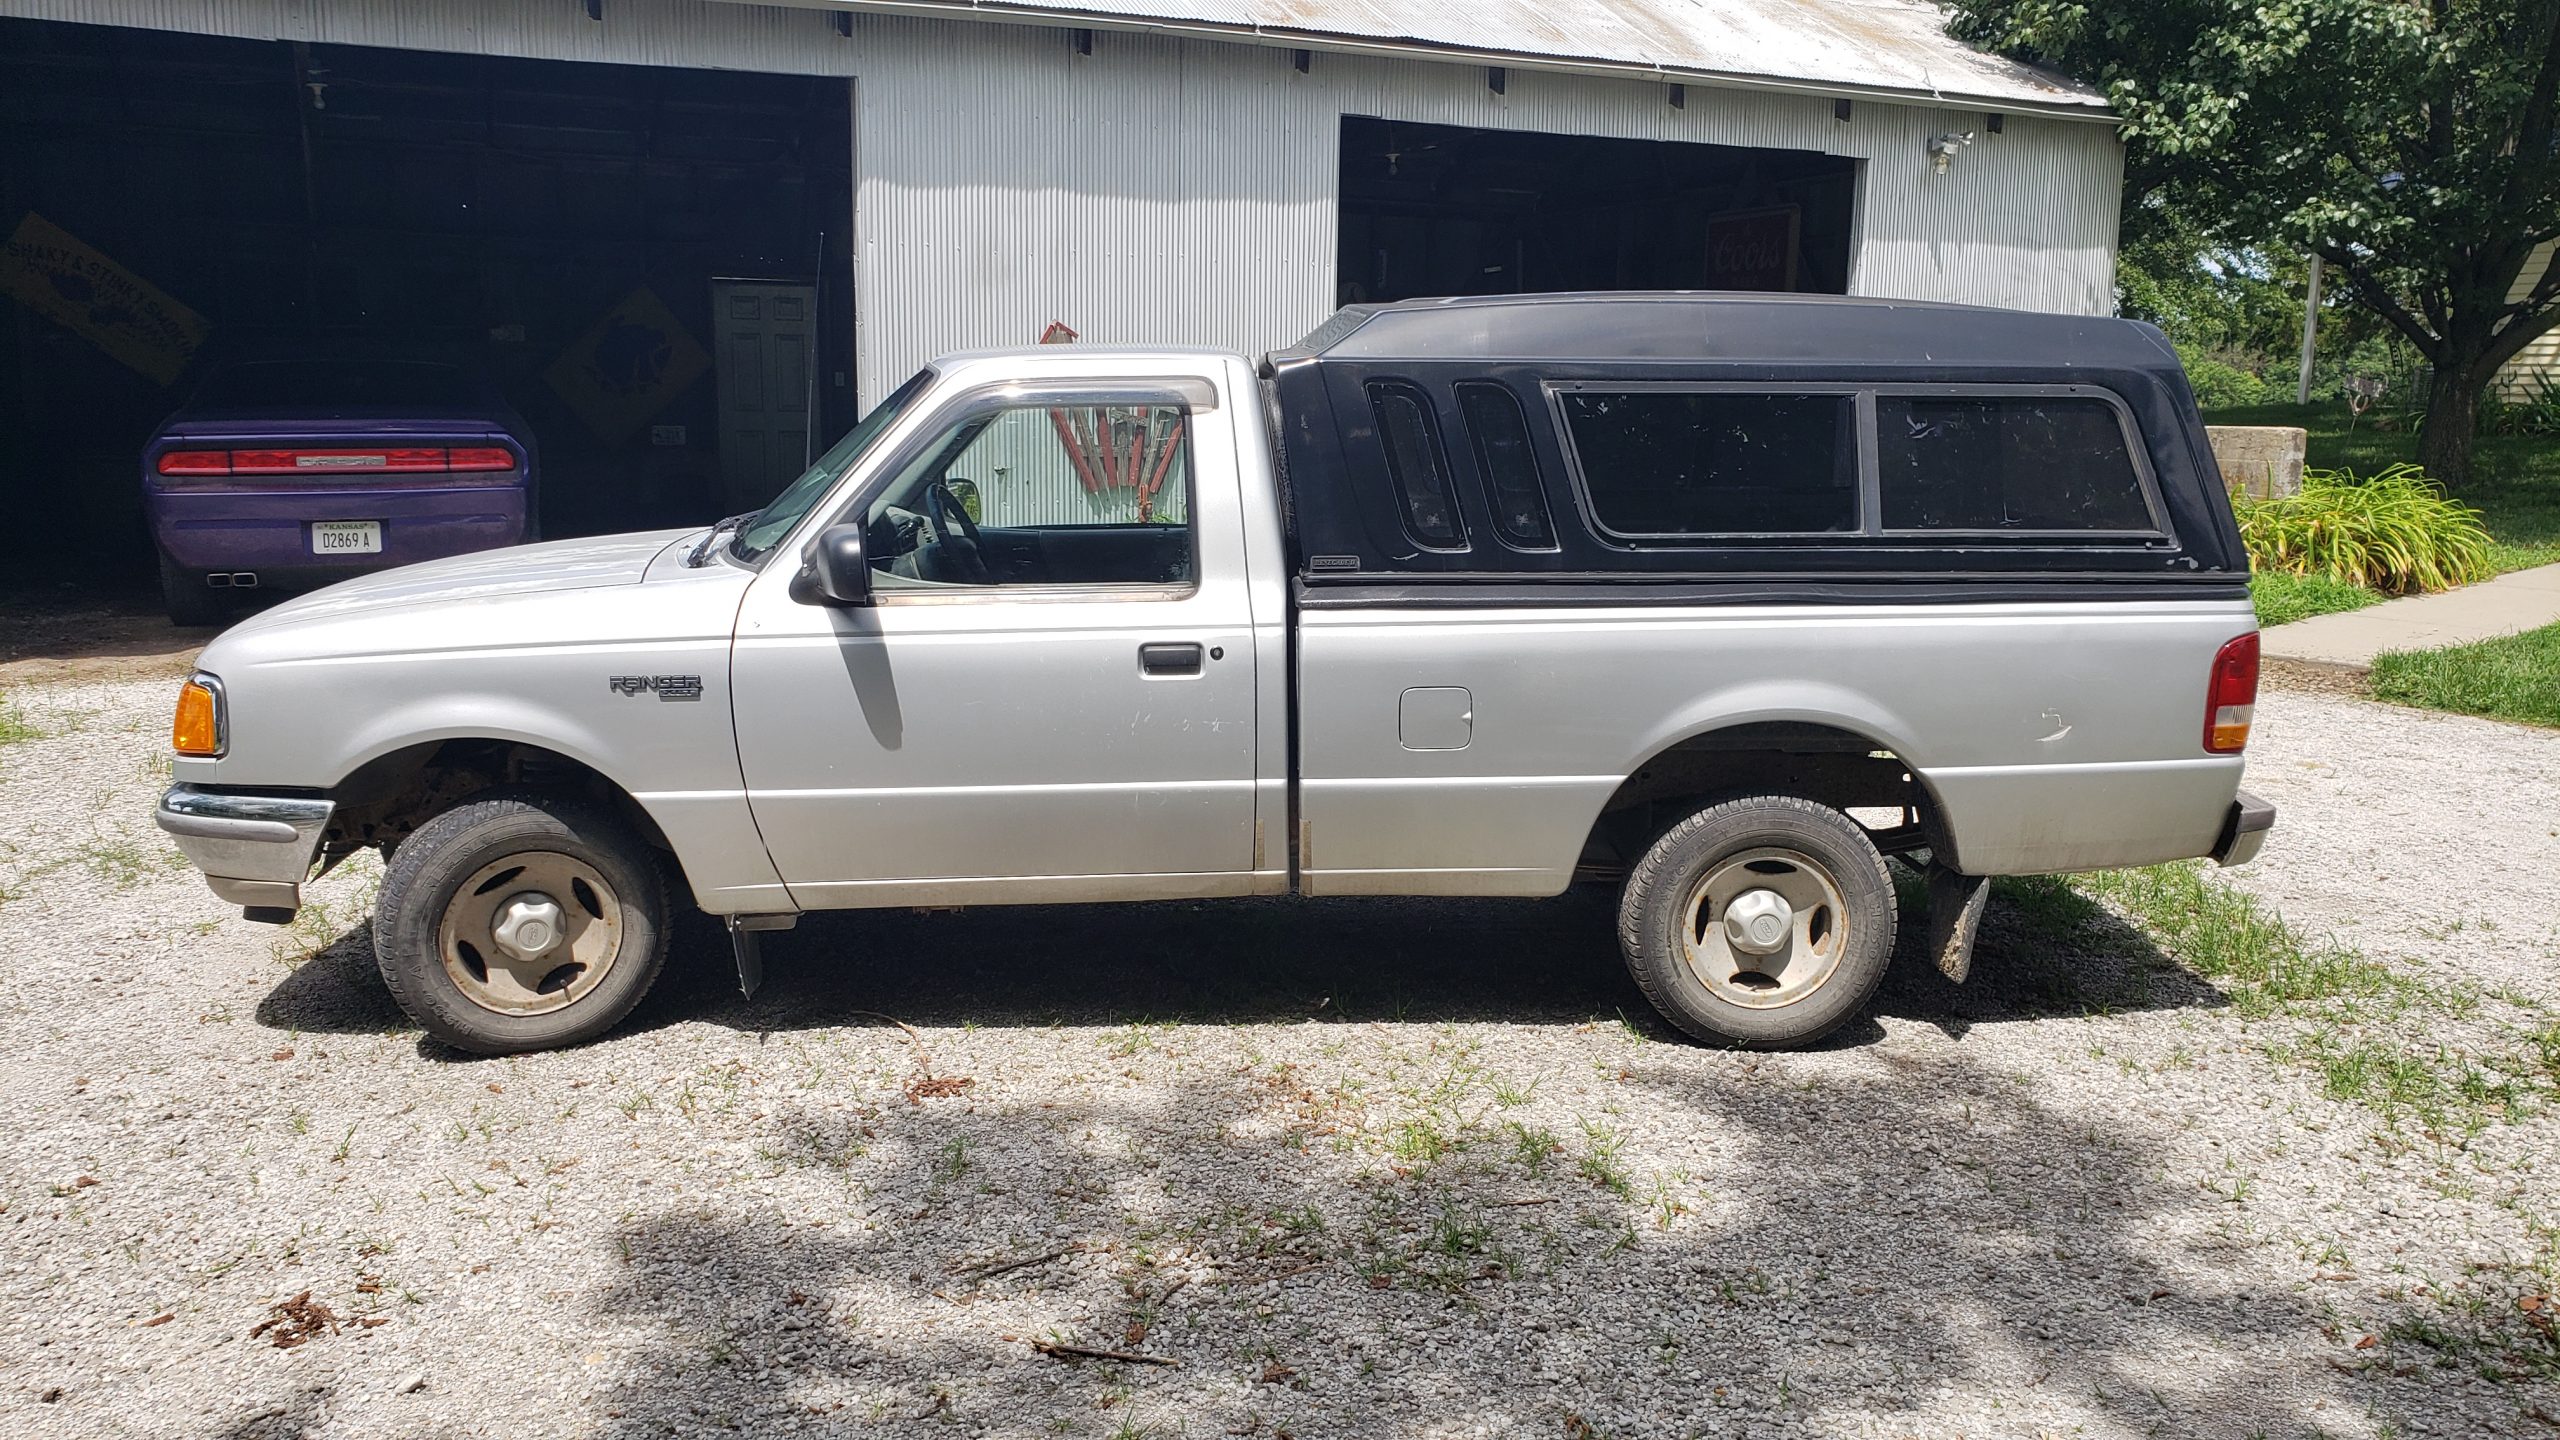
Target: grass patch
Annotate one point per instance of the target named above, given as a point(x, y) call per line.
point(2515, 483)
point(2225, 935)
point(2282, 598)
point(2513, 677)
point(14, 726)
point(2360, 1027)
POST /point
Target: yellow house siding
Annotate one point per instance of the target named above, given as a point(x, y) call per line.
point(2539, 362)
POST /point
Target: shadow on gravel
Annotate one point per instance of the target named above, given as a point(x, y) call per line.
point(335, 992)
point(1920, 1244)
point(2044, 951)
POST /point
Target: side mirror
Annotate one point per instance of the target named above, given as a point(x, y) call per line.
point(838, 573)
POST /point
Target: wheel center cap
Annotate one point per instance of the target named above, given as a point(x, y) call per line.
point(1757, 922)
point(528, 925)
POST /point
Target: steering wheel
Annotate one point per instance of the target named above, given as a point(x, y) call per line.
point(952, 519)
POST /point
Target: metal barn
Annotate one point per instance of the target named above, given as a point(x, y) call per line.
point(693, 238)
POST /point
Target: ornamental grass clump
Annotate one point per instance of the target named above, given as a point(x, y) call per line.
point(2395, 532)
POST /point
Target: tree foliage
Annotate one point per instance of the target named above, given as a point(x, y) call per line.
point(2413, 144)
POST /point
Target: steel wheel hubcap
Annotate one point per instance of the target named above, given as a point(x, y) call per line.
point(531, 933)
point(1764, 928)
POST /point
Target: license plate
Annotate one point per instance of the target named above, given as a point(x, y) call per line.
point(346, 537)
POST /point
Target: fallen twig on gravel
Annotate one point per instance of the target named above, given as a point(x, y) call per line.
point(982, 1272)
point(926, 1085)
point(1087, 1352)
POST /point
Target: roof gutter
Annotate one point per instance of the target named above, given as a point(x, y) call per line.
point(1284, 38)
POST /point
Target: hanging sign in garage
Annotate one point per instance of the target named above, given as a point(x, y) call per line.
point(1753, 249)
point(629, 363)
point(45, 268)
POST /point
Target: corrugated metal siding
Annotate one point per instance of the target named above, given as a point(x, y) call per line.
point(2538, 363)
point(1182, 191)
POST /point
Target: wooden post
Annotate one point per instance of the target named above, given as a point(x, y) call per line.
point(2310, 332)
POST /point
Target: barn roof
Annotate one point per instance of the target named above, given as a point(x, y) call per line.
point(1896, 49)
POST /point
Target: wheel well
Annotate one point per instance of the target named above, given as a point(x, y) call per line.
point(1822, 763)
point(391, 795)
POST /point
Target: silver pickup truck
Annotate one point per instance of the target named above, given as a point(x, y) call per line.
point(1721, 599)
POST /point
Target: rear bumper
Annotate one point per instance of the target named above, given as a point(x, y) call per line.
point(254, 850)
point(269, 531)
point(2244, 830)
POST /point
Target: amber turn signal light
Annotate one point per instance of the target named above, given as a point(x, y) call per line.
point(197, 730)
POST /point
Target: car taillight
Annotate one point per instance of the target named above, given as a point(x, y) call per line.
point(195, 462)
point(482, 457)
point(321, 462)
point(197, 728)
point(2231, 696)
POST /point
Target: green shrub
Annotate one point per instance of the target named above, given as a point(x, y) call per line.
point(2282, 598)
point(2395, 532)
point(2219, 383)
point(2533, 409)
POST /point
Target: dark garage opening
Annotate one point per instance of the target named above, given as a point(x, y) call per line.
point(558, 226)
point(1453, 210)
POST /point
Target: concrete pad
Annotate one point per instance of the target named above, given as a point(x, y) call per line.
point(2507, 605)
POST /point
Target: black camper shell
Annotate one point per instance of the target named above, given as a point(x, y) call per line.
point(1743, 447)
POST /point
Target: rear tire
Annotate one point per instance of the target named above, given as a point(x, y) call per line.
point(191, 602)
point(1763, 923)
point(520, 921)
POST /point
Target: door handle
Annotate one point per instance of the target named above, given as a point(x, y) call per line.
point(1170, 658)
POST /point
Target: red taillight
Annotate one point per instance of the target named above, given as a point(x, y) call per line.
point(322, 462)
point(195, 462)
point(486, 457)
point(2231, 696)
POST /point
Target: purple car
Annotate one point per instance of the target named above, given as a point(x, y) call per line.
point(296, 473)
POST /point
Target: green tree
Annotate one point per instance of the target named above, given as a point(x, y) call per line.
point(2414, 145)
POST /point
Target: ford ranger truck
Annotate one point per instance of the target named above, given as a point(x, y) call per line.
point(1723, 599)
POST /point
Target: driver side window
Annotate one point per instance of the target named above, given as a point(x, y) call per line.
point(1041, 495)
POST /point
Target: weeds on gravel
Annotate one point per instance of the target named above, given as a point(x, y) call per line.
point(2358, 1021)
point(121, 863)
point(2224, 934)
point(14, 726)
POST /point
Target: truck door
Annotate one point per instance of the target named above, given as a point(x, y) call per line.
point(1052, 697)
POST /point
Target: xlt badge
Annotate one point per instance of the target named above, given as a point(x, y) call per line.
point(669, 687)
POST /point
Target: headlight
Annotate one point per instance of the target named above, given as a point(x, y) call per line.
point(200, 728)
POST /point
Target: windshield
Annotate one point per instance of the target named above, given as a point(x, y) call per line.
point(337, 384)
point(774, 521)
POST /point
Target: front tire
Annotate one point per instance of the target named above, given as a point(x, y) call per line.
point(1763, 923)
point(520, 921)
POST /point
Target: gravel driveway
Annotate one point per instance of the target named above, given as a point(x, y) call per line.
point(1348, 1168)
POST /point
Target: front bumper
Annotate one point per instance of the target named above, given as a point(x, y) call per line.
point(2244, 830)
point(254, 850)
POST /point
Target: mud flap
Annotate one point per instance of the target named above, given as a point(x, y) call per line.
point(746, 933)
point(1956, 903)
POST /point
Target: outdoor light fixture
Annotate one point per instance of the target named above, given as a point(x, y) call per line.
point(1943, 148)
